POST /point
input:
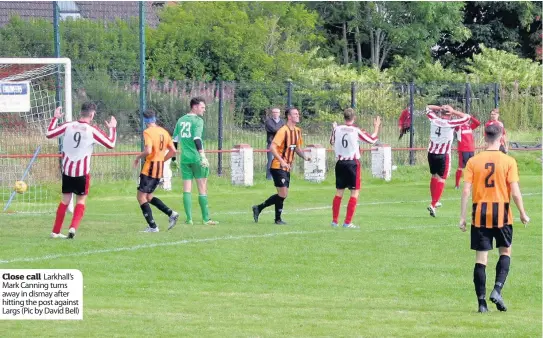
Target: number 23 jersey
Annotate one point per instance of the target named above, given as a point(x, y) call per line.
point(189, 127)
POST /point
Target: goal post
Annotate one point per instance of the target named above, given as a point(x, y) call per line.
point(28, 99)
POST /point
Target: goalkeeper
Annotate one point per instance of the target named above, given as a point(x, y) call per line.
point(194, 164)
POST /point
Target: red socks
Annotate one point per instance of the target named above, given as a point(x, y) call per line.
point(336, 204)
point(79, 211)
point(351, 207)
point(440, 186)
point(458, 177)
point(59, 220)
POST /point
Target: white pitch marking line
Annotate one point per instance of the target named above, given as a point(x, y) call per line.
point(204, 240)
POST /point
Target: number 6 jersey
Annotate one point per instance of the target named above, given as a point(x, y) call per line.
point(442, 132)
point(345, 139)
point(78, 144)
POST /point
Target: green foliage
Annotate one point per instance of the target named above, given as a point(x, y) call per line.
point(493, 65)
point(232, 41)
point(410, 70)
point(26, 38)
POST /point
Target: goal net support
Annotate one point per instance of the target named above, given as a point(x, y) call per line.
point(30, 90)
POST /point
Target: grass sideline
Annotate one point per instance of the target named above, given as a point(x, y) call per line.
point(403, 274)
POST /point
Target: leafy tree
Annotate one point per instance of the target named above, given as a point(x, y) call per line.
point(499, 25)
point(22, 38)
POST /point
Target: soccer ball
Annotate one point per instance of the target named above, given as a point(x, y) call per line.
point(20, 187)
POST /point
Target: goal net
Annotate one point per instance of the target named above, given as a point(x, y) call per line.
point(30, 90)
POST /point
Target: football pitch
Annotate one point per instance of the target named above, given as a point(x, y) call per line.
point(402, 274)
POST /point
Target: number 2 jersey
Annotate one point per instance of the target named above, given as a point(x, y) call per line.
point(345, 139)
point(491, 173)
point(189, 127)
point(442, 132)
point(78, 144)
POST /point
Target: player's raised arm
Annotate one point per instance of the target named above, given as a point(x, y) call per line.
point(333, 134)
point(53, 130)
point(101, 138)
point(371, 138)
point(474, 123)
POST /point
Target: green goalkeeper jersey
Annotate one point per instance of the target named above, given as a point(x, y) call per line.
point(189, 128)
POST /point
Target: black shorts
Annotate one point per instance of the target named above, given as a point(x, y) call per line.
point(463, 157)
point(481, 238)
point(348, 174)
point(440, 164)
point(148, 184)
point(281, 178)
point(76, 185)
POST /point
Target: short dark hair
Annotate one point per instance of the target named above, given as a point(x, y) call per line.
point(289, 110)
point(149, 113)
point(493, 132)
point(87, 108)
point(196, 101)
point(348, 114)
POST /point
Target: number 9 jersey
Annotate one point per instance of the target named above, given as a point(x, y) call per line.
point(78, 144)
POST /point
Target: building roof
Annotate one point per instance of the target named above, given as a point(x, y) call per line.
point(94, 10)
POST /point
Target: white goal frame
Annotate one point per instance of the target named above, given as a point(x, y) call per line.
point(51, 61)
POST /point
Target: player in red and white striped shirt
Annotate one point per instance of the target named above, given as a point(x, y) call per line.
point(494, 119)
point(439, 149)
point(345, 138)
point(466, 145)
point(77, 146)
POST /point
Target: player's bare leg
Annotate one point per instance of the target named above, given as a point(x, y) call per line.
point(202, 200)
point(336, 205)
point(502, 270)
point(187, 200)
point(79, 211)
point(61, 214)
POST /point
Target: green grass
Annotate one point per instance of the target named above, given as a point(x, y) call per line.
point(403, 274)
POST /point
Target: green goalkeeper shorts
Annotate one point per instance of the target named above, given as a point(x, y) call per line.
point(193, 170)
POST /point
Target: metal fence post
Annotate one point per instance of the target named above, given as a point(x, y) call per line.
point(411, 130)
point(468, 98)
point(58, 98)
point(289, 94)
point(496, 95)
point(353, 94)
point(220, 131)
point(143, 102)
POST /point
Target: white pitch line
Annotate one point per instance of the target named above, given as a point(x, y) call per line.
point(204, 240)
point(154, 245)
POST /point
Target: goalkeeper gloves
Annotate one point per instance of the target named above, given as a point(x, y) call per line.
point(173, 165)
point(203, 161)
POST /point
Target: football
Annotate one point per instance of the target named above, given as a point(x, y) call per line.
point(20, 187)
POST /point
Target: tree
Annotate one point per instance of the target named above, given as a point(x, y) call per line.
point(500, 25)
point(231, 40)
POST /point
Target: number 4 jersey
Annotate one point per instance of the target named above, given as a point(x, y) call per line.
point(345, 139)
point(442, 132)
point(78, 144)
point(189, 127)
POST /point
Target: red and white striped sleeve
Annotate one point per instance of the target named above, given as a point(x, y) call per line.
point(430, 114)
point(366, 137)
point(458, 122)
point(101, 138)
point(53, 130)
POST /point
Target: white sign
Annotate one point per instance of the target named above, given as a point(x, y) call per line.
point(51, 294)
point(14, 97)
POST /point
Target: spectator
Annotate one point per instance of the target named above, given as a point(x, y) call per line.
point(272, 124)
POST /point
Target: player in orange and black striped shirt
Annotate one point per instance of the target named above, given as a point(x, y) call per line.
point(494, 178)
point(158, 149)
point(286, 143)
